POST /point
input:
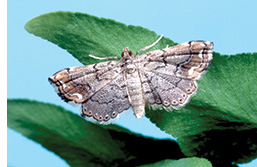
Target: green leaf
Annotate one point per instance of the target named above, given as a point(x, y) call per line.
point(82, 143)
point(184, 162)
point(82, 34)
point(220, 122)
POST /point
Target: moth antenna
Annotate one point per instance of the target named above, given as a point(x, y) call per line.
point(147, 47)
point(104, 58)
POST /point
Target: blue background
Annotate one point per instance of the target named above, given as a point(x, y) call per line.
point(230, 24)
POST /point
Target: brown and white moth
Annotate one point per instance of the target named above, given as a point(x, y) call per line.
point(162, 78)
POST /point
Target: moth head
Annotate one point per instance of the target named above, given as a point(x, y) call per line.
point(126, 54)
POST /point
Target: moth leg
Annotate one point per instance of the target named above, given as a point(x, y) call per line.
point(147, 47)
point(104, 58)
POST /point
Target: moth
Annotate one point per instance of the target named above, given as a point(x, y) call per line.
point(164, 78)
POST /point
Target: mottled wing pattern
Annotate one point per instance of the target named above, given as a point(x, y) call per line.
point(99, 87)
point(168, 75)
point(163, 77)
point(77, 84)
point(168, 90)
point(108, 102)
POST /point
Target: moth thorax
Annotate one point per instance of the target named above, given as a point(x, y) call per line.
point(130, 66)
